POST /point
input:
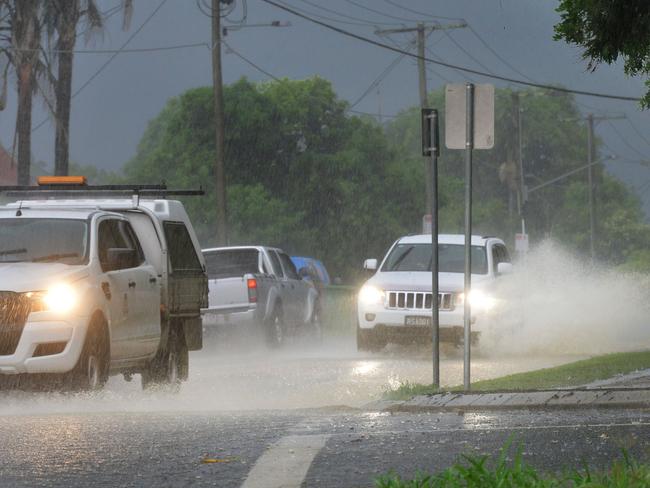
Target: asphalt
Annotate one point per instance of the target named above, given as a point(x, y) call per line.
point(631, 391)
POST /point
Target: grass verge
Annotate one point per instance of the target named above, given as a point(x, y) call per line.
point(481, 471)
point(572, 374)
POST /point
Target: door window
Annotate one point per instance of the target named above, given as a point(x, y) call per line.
point(275, 262)
point(118, 234)
point(289, 268)
point(182, 255)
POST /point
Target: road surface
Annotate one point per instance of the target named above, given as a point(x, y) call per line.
point(253, 413)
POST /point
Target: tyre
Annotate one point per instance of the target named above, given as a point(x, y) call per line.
point(170, 366)
point(91, 371)
point(369, 340)
point(274, 328)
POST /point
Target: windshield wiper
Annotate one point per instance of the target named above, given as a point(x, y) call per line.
point(55, 257)
point(22, 250)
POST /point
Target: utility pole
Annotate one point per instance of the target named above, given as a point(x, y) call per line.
point(421, 30)
point(590, 177)
point(217, 89)
point(521, 200)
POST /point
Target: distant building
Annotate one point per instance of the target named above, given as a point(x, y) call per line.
point(8, 168)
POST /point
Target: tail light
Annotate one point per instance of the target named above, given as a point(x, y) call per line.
point(251, 283)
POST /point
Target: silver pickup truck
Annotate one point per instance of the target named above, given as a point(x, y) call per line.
point(260, 287)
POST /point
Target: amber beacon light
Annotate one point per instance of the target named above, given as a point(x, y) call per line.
point(61, 180)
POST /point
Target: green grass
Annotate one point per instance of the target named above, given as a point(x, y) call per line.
point(482, 472)
point(572, 374)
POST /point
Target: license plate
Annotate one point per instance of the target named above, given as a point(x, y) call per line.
point(417, 321)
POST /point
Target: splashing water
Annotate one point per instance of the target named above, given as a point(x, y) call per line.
point(557, 304)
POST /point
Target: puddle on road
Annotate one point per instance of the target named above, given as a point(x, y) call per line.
point(227, 378)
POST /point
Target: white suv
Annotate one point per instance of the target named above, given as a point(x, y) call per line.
point(395, 304)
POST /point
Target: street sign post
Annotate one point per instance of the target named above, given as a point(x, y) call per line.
point(469, 124)
point(521, 243)
point(431, 147)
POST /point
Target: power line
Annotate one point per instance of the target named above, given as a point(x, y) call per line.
point(497, 55)
point(275, 78)
point(122, 51)
point(356, 20)
point(638, 132)
point(378, 80)
point(449, 65)
point(467, 53)
point(380, 12)
point(416, 12)
point(435, 56)
point(249, 62)
point(109, 60)
point(627, 143)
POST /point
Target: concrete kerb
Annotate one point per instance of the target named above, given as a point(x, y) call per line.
point(531, 400)
point(624, 391)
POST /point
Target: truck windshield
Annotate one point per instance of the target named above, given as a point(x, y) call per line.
point(451, 257)
point(43, 241)
point(232, 263)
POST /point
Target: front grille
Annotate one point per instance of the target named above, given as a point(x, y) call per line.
point(413, 300)
point(14, 309)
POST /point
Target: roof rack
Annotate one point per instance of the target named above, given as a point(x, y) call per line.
point(85, 191)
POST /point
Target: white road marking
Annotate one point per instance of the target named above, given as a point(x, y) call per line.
point(285, 463)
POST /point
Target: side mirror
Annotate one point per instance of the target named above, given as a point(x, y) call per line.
point(304, 273)
point(119, 258)
point(370, 264)
point(504, 268)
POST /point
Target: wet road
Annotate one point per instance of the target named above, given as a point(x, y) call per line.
point(334, 449)
point(255, 410)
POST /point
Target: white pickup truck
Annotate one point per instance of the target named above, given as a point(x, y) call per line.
point(395, 304)
point(98, 286)
point(259, 287)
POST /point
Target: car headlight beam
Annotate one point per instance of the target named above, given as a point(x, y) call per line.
point(59, 298)
point(371, 295)
point(478, 300)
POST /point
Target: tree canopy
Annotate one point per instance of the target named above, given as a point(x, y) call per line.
point(607, 30)
point(304, 175)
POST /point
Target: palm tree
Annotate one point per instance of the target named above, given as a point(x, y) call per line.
point(63, 18)
point(20, 41)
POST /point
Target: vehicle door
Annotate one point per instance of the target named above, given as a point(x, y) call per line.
point(132, 289)
point(282, 285)
point(298, 289)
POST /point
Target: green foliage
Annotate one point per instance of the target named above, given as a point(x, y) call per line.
point(607, 29)
point(301, 174)
point(481, 471)
point(305, 176)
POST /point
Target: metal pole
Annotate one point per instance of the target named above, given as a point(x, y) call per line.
point(219, 164)
point(422, 85)
point(435, 306)
point(590, 183)
point(522, 184)
point(469, 145)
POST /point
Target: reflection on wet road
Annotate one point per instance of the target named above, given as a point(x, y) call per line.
point(237, 376)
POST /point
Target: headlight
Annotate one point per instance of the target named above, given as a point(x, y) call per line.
point(59, 298)
point(478, 300)
point(370, 295)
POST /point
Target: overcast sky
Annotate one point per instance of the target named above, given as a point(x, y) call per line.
point(110, 114)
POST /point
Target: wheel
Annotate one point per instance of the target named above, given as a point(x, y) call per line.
point(91, 371)
point(368, 340)
point(274, 328)
point(170, 366)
